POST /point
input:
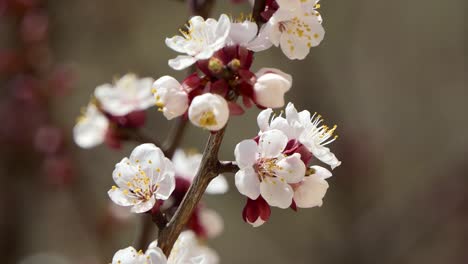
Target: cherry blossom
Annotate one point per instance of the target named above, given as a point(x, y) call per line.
point(201, 39)
point(270, 87)
point(141, 179)
point(209, 111)
point(187, 249)
point(295, 27)
point(128, 94)
point(91, 127)
point(130, 255)
point(256, 212)
point(171, 98)
point(266, 171)
point(244, 33)
point(311, 190)
point(305, 128)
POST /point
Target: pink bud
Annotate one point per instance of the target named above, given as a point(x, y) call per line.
point(256, 212)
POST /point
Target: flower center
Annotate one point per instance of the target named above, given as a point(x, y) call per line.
point(208, 119)
point(265, 168)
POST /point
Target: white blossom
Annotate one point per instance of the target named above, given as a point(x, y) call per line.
point(265, 171)
point(311, 190)
point(186, 165)
point(187, 249)
point(128, 94)
point(209, 111)
point(270, 87)
point(91, 127)
point(171, 98)
point(130, 255)
point(295, 27)
point(306, 129)
point(141, 179)
point(200, 40)
point(211, 221)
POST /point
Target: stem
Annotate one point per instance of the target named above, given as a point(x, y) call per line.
point(174, 137)
point(227, 166)
point(208, 170)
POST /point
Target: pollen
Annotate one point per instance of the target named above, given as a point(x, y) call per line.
point(208, 119)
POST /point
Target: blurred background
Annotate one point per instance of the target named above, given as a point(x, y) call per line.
point(391, 75)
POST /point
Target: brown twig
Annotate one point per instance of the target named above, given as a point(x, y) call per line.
point(227, 166)
point(208, 170)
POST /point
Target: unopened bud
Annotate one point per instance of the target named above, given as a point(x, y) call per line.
point(234, 64)
point(215, 65)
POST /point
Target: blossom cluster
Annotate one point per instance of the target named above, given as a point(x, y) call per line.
point(276, 168)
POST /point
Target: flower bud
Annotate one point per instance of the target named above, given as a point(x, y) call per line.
point(215, 65)
point(271, 86)
point(234, 64)
point(209, 111)
point(256, 212)
point(170, 96)
point(90, 129)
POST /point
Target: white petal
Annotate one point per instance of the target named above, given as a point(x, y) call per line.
point(270, 89)
point(321, 172)
point(257, 222)
point(186, 165)
point(294, 47)
point(291, 113)
point(281, 73)
point(171, 97)
point(276, 193)
point(247, 183)
point(272, 143)
point(118, 197)
point(177, 43)
point(262, 41)
point(246, 153)
point(124, 172)
point(310, 192)
point(243, 33)
point(156, 255)
point(127, 95)
point(263, 119)
point(144, 96)
point(218, 185)
point(288, 4)
point(125, 256)
point(212, 222)
point(325, 155)
point(280, 123)
point(145, 206)
point(209, 111)
point(292, 169)
point(148, 157)
point(181, 62)
point(90, 130)
point(166, 181)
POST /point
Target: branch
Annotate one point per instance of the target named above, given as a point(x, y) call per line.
point(208, 170)
point(227, 166)
point(174, 137)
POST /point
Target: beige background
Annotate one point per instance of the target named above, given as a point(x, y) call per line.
point(390, 74)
